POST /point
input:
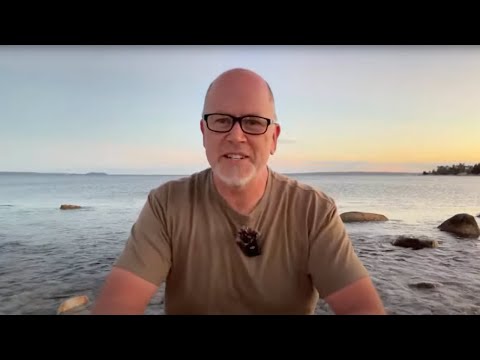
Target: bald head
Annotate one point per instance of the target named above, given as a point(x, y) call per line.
point(240, 91)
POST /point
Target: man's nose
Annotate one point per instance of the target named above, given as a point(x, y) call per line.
point(236, 134)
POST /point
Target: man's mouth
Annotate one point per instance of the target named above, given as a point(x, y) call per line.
point(234, 156)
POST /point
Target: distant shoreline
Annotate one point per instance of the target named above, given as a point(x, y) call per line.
point(429, 174)
point(50, 173)
point(456, 169)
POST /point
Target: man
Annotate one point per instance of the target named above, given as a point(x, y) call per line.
point(238, 238)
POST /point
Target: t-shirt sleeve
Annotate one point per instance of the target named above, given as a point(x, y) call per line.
point(333, 262)
point(148, 251)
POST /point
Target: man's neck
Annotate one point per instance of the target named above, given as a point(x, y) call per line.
point(243, 199)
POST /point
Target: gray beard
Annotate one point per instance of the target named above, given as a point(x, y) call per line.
point(234, 179)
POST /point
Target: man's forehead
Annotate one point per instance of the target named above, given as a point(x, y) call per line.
point(239, 104)
point(236, 94)
point(238, 86)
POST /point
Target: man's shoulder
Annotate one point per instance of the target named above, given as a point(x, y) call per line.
point(297, 188)
point(182, 185)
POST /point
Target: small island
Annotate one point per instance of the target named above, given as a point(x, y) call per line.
point(458, 169)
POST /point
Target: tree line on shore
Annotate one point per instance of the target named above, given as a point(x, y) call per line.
point(456, 169)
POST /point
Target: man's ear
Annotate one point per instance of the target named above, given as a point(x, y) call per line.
point(276, 135)
point(202, 129)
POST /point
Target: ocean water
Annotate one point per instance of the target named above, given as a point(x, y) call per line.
point(48, 255)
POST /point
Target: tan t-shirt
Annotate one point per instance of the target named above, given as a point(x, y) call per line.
point(185, 234)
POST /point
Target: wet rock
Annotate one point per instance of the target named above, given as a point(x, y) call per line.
point(69, 207)
point(423, 285)
point(358, 216)
point(463, 225)
point(75, 305)
point(414, 243)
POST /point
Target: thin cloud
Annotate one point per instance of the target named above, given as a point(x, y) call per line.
point(286, 140)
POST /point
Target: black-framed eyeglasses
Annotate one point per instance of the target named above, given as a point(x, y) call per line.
point(250, 124)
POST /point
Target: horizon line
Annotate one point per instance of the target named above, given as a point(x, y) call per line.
point(101, 173)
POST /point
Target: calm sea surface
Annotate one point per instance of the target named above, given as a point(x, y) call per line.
point(48, 255)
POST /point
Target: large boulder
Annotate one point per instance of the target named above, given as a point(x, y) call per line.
point(463, 225)
point(414, 243)
point(69, 207)
point(357, 216)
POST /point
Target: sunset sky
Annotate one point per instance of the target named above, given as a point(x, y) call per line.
point(136, 109)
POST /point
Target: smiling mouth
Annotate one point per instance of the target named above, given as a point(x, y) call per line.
point(235, 156)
